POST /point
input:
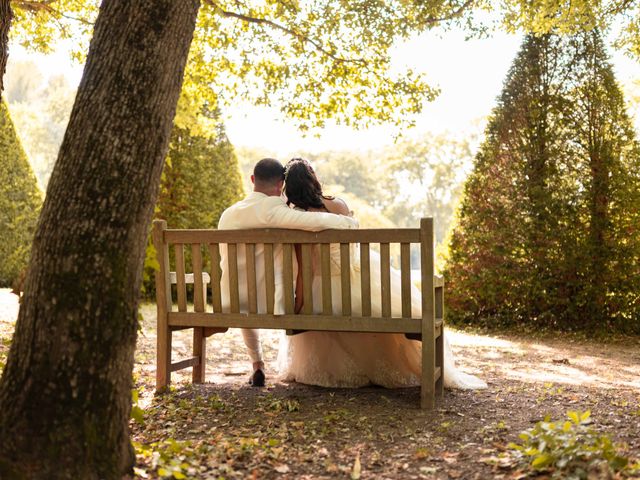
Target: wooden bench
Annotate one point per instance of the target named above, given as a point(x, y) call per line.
point(206, 316)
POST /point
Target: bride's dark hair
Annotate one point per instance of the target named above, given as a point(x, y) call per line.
point(301, 186)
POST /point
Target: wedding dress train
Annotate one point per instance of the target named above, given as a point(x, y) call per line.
point(349, 359)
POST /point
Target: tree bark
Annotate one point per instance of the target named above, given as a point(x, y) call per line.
point(65, 395)
point(5, 23)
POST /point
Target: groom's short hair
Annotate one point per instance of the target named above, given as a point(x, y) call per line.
point(268, 171)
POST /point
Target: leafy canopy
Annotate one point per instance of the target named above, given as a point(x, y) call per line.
point(324, 59)
point(315, 60)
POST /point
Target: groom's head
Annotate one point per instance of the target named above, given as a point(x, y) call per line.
point(268, 177)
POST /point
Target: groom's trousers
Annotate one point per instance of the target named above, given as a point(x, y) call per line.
point(252, 341)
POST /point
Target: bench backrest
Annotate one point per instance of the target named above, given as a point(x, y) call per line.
point(210, 242)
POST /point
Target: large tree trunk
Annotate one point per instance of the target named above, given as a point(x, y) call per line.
point(65, 395)
point(5, 22)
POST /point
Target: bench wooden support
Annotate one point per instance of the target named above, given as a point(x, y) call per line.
point(186, 363)
point(163, 305)
point(427, 390)
point(252, 304)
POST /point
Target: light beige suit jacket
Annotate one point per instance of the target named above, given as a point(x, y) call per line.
point(258, 210)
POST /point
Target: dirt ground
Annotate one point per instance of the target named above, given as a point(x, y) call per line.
point(227, 429)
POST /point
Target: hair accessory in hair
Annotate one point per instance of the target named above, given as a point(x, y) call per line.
point(293, 161)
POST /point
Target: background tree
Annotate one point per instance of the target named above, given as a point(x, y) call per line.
point(40, 109)
point(610, 190)
point(424, 177)
point(535, 236)
point(200, 179)
point(20, 201)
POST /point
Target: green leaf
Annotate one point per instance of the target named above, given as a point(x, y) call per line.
point(137, 414)
point(542, 461)
point(618, 462)
point(574, 417)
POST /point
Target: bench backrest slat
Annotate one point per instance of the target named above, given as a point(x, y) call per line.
point(252, 291)
point(405, 275)
point(365, 279)
point(385, 279)
point(325, 273)
point(234, 292)
point(307, 279)
point(216, 295)
point(269, 276)
point(345, 278)
point(274, 235)
point(198, 288)
point(178, 250)
point(287, 277)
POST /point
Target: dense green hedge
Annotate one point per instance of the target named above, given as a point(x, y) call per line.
point(20, 202)
point(548, 232)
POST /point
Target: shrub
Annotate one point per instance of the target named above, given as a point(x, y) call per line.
point(20, 202)
point(569, 449)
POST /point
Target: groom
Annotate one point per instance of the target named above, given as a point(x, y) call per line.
point(265, 207)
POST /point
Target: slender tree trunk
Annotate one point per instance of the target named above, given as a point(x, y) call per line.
point(5, 23)
point(65, 395)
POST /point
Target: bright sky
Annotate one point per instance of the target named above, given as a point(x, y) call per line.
point(469, 74)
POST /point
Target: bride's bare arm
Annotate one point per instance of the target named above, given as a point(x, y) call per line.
point(337, 206)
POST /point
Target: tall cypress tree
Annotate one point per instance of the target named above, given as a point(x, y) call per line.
point(201, 178)
point(539, 234)
point(20, 201)
point(609, 190)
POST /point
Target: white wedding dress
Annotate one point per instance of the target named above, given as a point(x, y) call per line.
point(347, 359)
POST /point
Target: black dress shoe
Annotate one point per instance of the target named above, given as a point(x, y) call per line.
point(257, 379)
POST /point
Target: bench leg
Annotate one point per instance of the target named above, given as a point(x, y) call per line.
point(427, 389)
point(200, 351)
point(163, 360)
point(439, 346)
point(439, 390)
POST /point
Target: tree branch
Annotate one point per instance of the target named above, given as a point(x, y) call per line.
point(452, 15)
point(300, 36)
point(45, 6)
point(316, 44)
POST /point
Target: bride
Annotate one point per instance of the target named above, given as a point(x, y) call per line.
point(349, 359)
